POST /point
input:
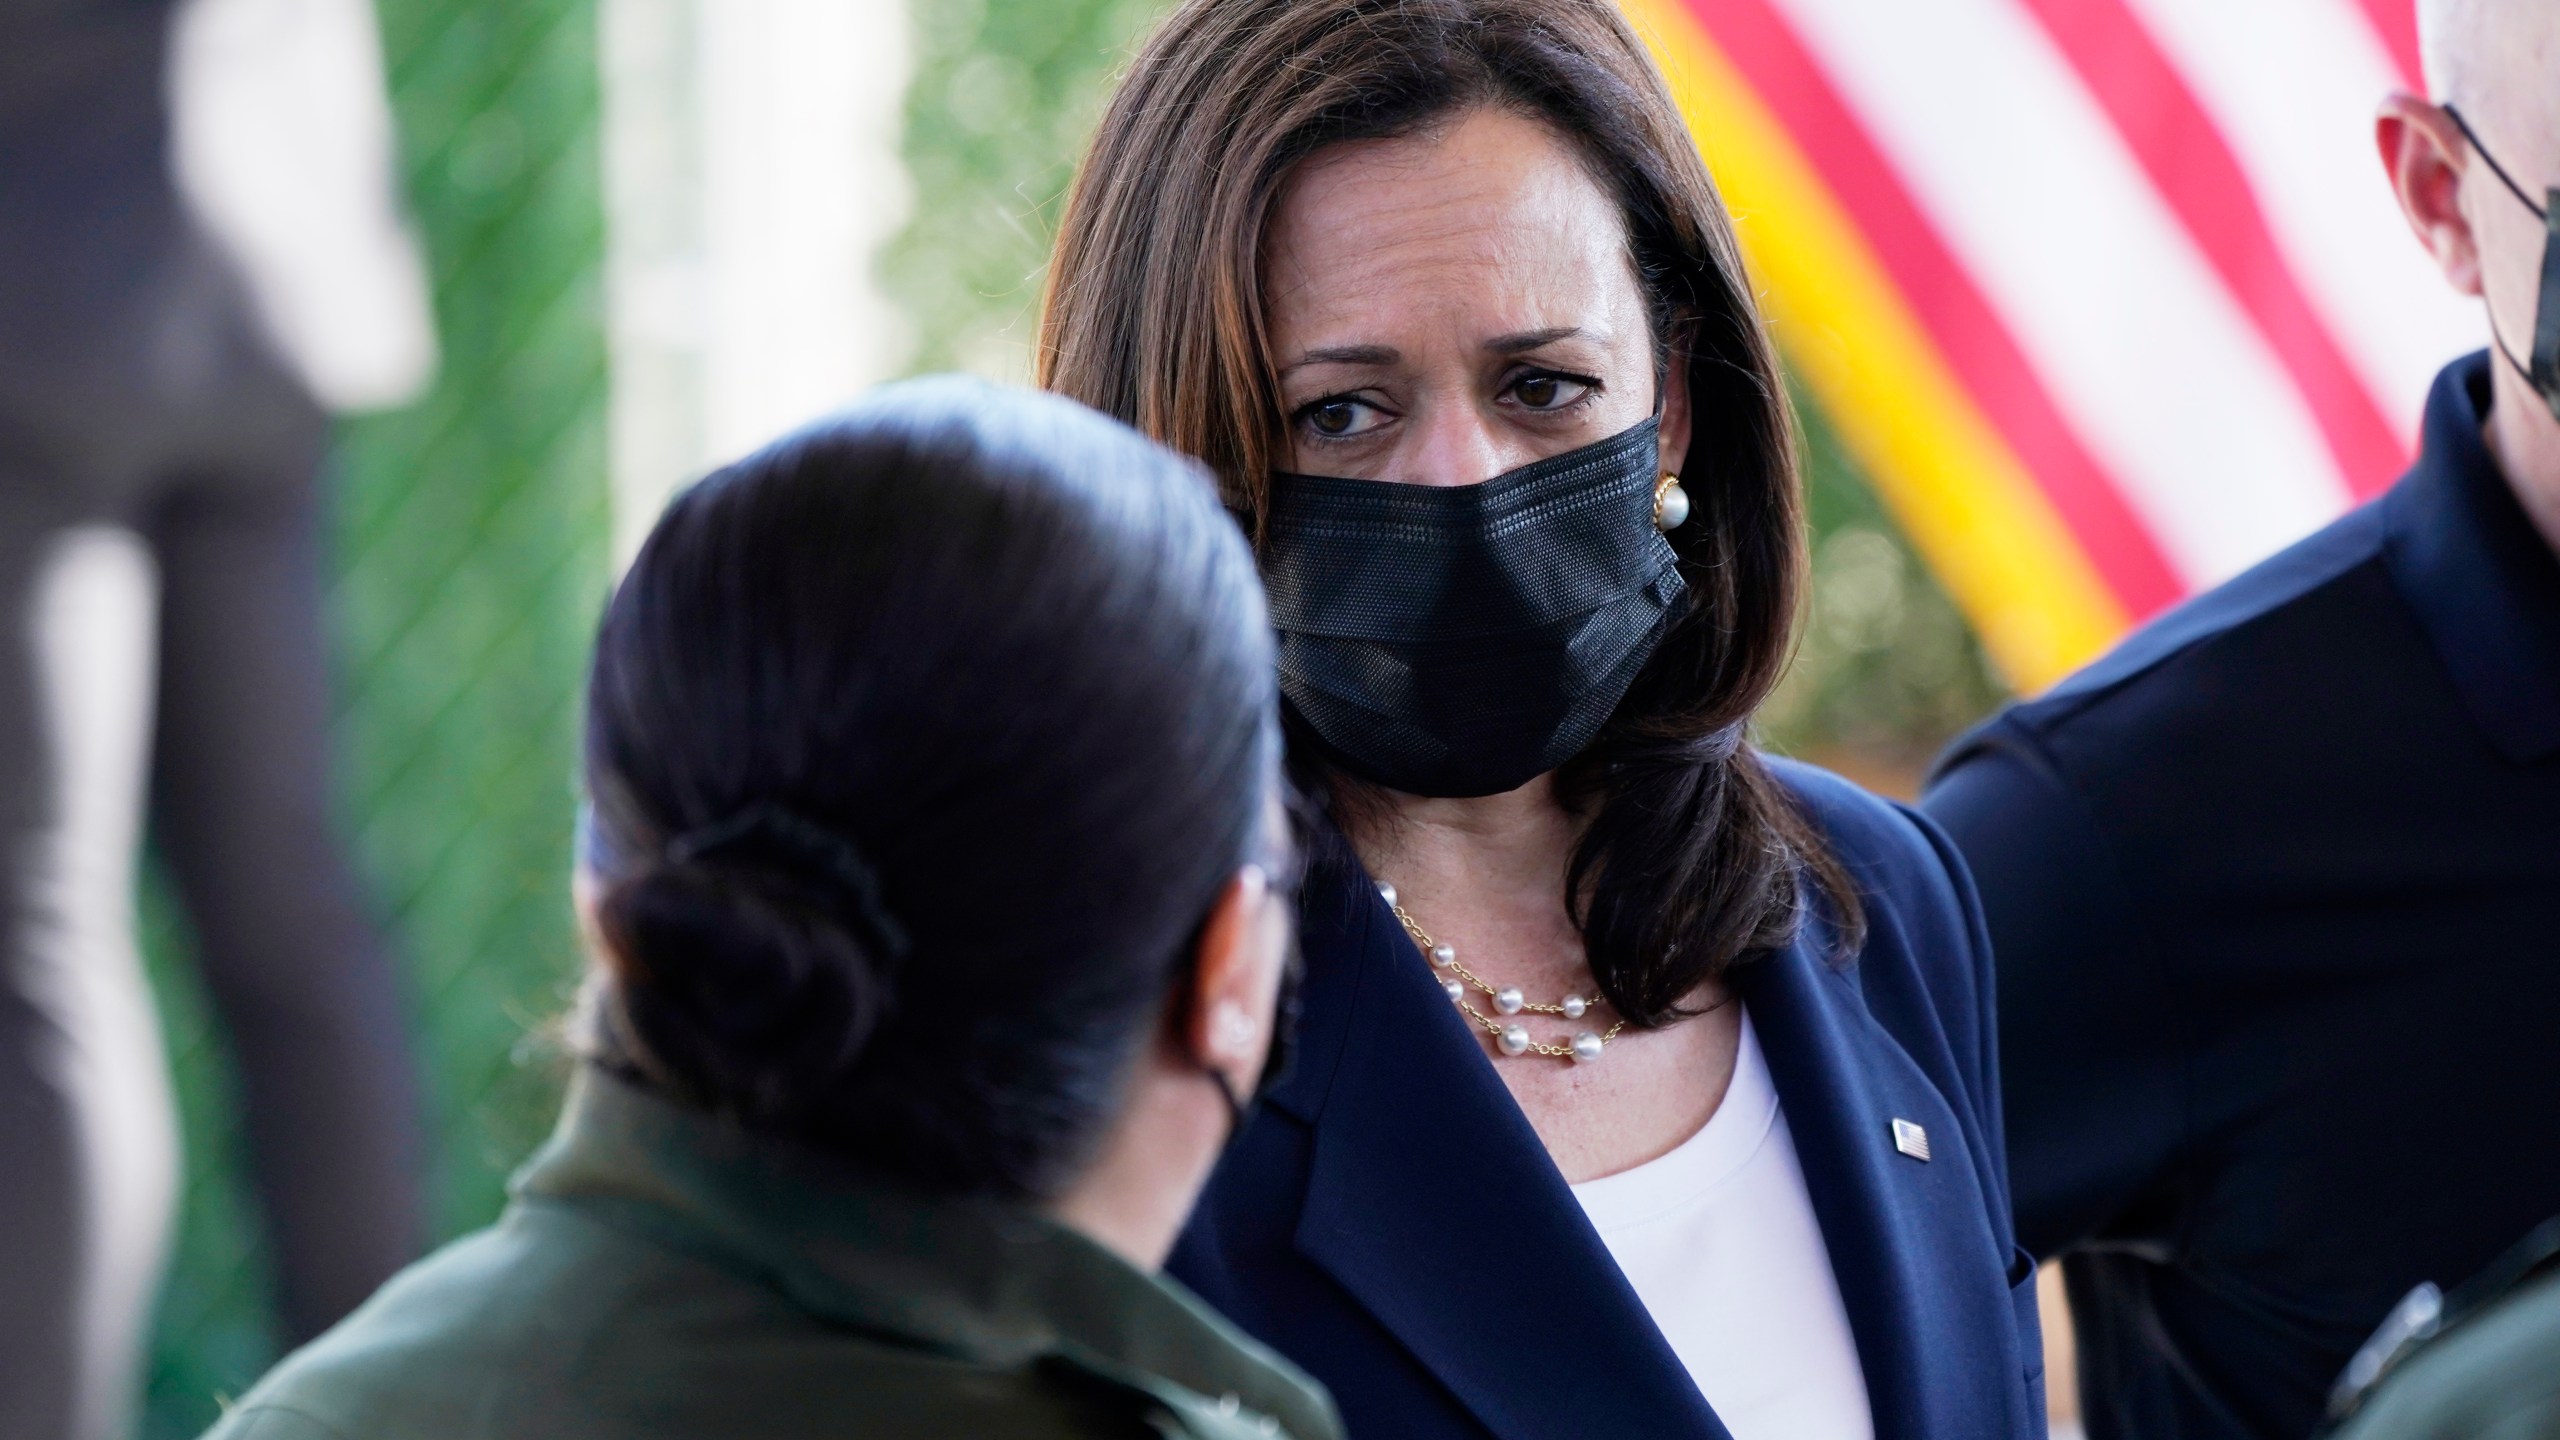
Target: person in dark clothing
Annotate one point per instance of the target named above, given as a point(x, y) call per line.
point(2274, 893)
point(1650, 1085)
point(933, 873)
point(2274, 889)
point(160, 615)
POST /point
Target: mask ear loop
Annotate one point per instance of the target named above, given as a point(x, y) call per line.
point(2544, 373)
point(1239, 1107)
point(2495, 168)
point(1236, 1107)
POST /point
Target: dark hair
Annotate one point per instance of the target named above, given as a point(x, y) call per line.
point(1695, 857)
point(919, 745)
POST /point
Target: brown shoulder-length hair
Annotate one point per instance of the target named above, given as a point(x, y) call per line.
point(1694, 858)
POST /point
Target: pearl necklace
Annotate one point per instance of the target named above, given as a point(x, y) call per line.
point(1509, 1036)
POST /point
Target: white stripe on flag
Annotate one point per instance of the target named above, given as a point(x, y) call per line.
point(2293, 86)
point(2150, 358)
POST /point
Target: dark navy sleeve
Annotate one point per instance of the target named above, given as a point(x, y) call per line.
point(2090, 1043)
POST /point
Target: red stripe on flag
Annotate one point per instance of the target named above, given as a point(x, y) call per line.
point(2396, 21)
point(1976, 344)
point(2194, 169)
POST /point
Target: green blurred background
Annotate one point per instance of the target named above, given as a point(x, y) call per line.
point(473, 532)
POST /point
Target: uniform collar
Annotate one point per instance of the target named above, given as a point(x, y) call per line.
point(2484, 584)
point(988, 1283)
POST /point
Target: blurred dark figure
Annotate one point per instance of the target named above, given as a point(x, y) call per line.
point(2275, 888)
point(160, 616)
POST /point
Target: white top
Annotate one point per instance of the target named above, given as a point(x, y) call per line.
point(1719, 1240)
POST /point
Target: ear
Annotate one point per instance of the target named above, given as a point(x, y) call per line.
point(1675, 405)
point(1236, 979)
point(2425, 155)
point(586, 898)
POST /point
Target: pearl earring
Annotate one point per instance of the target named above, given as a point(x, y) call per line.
point(1670, 503)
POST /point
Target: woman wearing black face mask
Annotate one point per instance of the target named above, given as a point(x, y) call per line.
point(1647, 1083)
point(931, 764)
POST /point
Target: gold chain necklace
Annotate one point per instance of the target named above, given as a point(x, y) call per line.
point(1509, 1036)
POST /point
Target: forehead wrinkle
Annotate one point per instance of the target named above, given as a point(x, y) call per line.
point(1408, 230)
point(1382, 304)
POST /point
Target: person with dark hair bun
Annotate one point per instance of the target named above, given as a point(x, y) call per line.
point(934, 870)
point(1650, 1082)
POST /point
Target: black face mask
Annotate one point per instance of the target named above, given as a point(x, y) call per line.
point(1464, 640)
point(2544, 373)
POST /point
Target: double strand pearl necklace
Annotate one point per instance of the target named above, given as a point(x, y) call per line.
point(1509, 1035)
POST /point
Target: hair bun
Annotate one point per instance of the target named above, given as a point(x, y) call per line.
point(750, 982)
point(795, 842)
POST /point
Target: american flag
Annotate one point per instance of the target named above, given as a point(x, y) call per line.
point(2110, 298)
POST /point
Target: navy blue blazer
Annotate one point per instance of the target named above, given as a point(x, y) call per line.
point(1389, 1220)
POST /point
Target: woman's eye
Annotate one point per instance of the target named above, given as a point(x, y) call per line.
point(1340, 418)
point(1548, 392)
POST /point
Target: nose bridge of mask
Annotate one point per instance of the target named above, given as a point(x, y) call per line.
point(1378, 560)
point(1463, 640)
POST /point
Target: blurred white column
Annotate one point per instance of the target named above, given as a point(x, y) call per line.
point(282, 145)
point(751, 175)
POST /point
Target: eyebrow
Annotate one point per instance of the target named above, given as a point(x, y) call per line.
point(1512, 344)
point(1346, 355)
point(1530, 339)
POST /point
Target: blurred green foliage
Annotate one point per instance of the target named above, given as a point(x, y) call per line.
point(1886, 669)
point(1005, 95)
point(471, 531)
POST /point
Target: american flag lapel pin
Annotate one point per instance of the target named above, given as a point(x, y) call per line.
point(1910, 1139)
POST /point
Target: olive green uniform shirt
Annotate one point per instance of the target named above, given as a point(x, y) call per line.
point(2496, 1376)
point(662, 1274)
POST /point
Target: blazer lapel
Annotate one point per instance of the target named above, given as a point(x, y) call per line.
point(1907, 1239)
point(1433, 1203)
